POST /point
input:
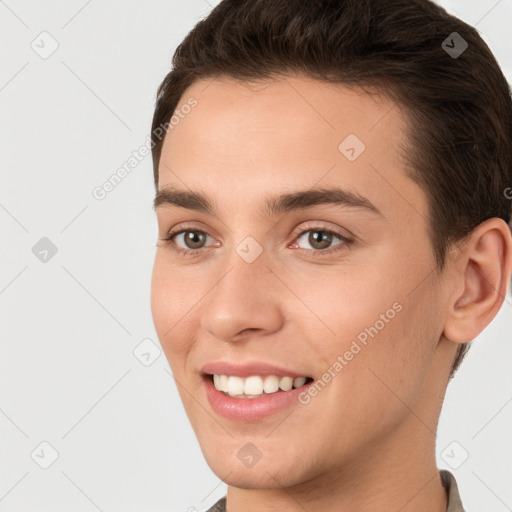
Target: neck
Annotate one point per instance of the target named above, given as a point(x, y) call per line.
point(408, 481)
point(396, 472)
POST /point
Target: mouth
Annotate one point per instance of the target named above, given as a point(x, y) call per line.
point(256, 386)
point(253, 390)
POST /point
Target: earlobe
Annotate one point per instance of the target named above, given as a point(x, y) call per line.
point(483, 272)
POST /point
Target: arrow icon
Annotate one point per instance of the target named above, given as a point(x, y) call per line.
point(351, 147)
point(44, 455)
point(454, 45)
point(451, 454)
point(249, 253)
point(44, 250)
point(146, 352)
point(44, 44)
point(249, 455)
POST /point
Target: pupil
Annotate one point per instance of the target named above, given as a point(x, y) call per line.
point(324, 240)
point(194, 239)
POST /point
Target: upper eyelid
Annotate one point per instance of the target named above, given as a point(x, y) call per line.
point(311, 225)
point(297, 233)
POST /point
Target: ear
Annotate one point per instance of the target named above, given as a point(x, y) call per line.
point(481, 279)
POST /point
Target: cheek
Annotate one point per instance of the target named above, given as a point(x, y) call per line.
point(173, 297)
point(345, 303)
point(368, 316)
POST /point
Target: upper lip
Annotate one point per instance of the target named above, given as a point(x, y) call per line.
point(248, 369)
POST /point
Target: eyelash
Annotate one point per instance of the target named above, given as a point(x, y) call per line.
point(191, 253)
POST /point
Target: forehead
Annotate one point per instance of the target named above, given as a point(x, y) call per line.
point(245, 138)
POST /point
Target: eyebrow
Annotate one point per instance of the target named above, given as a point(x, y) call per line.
point(274, 205)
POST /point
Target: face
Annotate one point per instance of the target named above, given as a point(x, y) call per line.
point(305, 255)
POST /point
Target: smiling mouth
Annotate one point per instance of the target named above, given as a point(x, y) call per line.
point(256, 386)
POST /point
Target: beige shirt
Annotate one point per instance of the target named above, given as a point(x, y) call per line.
point(448, 480)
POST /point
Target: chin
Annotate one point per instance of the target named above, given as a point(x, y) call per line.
point(253, 478)
point(269, 472)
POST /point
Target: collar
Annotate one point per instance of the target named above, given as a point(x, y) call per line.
point(447, 479)
point(452, 490)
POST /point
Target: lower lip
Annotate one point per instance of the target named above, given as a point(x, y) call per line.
point(250, 409)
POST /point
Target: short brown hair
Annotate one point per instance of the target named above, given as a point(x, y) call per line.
point(459, 107)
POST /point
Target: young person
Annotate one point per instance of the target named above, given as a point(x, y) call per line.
point(334, 231)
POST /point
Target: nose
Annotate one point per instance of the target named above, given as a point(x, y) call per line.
point(245, 299)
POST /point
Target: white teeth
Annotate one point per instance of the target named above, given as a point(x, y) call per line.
point(299, 381)
point(235, 386)
point(286, 383)
point(223, 383)
point(255, 386)
point(271, 384)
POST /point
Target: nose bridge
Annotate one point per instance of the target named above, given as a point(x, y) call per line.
point(247, 275)
point(247, 269)
point(240, 299)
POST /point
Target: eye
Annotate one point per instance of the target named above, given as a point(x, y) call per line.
point(187, 242)
point(320, 241)
point(190, 241)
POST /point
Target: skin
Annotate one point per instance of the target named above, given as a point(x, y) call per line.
point(367, 440)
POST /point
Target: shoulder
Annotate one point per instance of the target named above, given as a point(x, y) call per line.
point(452, 491)
point(447, 479)
point(220, 506)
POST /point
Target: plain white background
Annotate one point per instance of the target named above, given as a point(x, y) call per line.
point(69, 377)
